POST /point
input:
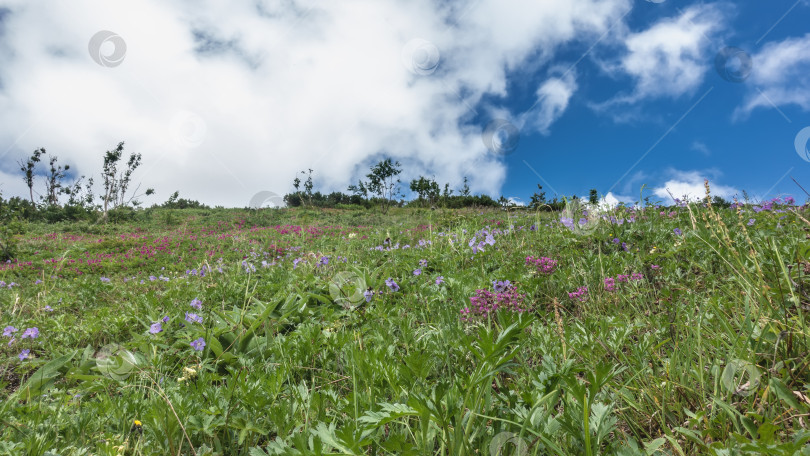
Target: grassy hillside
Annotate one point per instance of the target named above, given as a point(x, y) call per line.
point(221, 332)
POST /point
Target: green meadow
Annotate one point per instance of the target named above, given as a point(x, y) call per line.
point(649, 331)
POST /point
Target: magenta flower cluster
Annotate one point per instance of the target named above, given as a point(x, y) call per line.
point(486, 302)
point(610, 282)
point(543, 265)
point(580, 295)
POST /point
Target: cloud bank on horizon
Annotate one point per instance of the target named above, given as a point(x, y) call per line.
point(225, 100)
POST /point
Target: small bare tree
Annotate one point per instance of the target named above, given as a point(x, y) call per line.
point(53, 181)
point(116, 184)
point(28, 167)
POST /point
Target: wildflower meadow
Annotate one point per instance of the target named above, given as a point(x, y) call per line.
point(656, 331)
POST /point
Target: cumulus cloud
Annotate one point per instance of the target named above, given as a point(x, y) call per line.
point(780, 75)
point(690, 185)
point(225, 100)
point(610, 201)
point(670, 58)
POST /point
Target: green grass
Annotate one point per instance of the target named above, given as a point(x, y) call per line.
point(707, 354)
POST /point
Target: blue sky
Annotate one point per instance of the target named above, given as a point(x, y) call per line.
point(225, 101)
point(753, 152)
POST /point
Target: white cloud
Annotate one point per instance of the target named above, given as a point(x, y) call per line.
point(690, 185)
point(269, 90)
point(701, 147)
point(669, 59)
point(515, 201)
point(11, 184)
point(553, 96)
point(609, 201)
point(780, 75)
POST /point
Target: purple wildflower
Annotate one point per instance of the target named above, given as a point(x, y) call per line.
point(155, 328)
point(677, 231)
point(391, 284)
point(193, 318)
point(33, 333)
point(417, 272)
point(105, 279)
point(368, 295)
point(567, 222)
point(196, 303)
point(198, 344)
point(24, 354)
point(751, 222)
point(501, 286)
point(9, 331)
point(439, 280)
